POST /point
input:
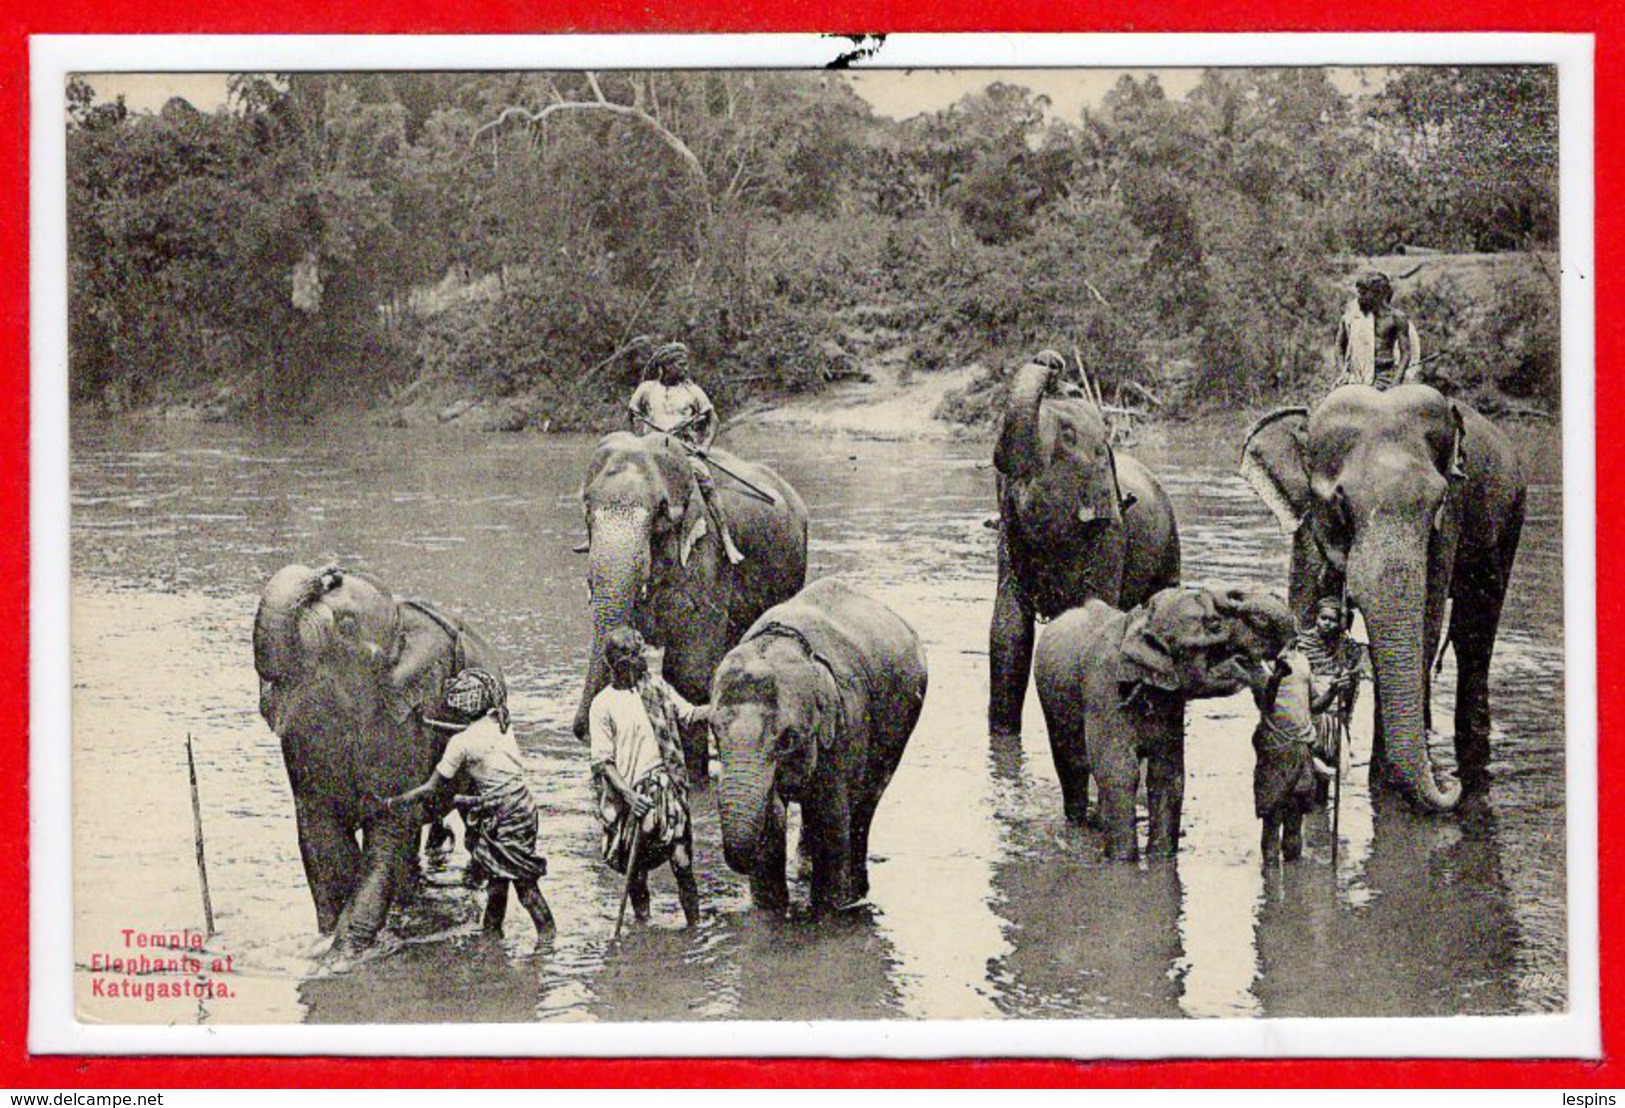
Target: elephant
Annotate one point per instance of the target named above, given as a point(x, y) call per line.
point(1077, 521)
point(813, 708)
point(1401, 500)
point(350, 680)
point(654, 562)
point(1113, 686)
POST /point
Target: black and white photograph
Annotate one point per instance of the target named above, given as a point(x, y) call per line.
point(707, 544)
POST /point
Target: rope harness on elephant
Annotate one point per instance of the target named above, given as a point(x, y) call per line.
point(775, 629)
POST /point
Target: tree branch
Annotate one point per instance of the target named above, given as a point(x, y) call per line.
point(666, 136)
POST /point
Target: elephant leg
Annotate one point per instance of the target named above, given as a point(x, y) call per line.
point(387, 848)
point(831, 823)
point(1010, 655)
point(863, 814)
point(331, 857)
point(1473, 627)
point(1118, 775)
point(1165, 800)
point(1068, 744)
point(767, 884)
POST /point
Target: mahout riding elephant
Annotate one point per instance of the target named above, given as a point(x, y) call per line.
point(655, 562)
point(350, 680)
point(1403, 499)
point(1113, 685)
point(813, 707)
point(1077, 521)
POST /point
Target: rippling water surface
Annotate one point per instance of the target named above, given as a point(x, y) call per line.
point(985, 903)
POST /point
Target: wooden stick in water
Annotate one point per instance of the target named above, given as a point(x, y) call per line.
point(197, 836)
point(631, 872)
point(1337, 790)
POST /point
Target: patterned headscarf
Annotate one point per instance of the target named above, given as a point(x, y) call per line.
point(475, 693)
point(672, 354)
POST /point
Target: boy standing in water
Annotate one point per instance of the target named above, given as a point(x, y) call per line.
point(637, 760)
point(502, 821)
point(1283, 774)
point(1334, 662)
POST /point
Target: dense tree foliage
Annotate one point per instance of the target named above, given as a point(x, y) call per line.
point(334, 235)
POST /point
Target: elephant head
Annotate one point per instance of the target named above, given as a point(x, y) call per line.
point(1366, 480)
point(324, 643)
point(642, 527)
point(1059, 483)
point(1202, 643)
point(777, 712)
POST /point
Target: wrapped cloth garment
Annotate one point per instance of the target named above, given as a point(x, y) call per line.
point(1328, 662)
point(664, 828)
point(503, 839)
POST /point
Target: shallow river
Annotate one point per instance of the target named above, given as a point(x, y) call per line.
point(985, 903)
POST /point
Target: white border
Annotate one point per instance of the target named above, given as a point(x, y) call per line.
point(52, 1028)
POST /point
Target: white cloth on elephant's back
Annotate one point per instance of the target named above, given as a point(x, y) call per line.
point(489, 754)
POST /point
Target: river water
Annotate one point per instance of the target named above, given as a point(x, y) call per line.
point(984, 904)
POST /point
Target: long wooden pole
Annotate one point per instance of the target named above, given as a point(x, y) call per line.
point(1337, 788)
point(197, 836)
point(631, 872)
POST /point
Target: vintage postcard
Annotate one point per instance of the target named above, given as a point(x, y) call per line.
point(1038, 545)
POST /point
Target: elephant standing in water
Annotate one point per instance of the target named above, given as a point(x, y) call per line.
point(1403, 499)
point(1077, 521)
point(814, 707)
point(350, 679)
point(1113, 686)
point(656, 563)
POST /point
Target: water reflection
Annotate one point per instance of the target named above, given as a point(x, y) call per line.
point(983, 903)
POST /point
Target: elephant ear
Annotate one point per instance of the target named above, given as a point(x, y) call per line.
point(1143, 658)
point(1274, 461)
point(426, 661)
point(841, 707)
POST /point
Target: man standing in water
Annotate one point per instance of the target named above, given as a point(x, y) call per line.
point(502, 822)
point(637, 762)
point(1376, 344)
point(672, 403)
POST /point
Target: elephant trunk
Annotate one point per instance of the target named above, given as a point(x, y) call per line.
point(1387, 579)
point(617, 574)
point(743, 795)
point(1017, 452)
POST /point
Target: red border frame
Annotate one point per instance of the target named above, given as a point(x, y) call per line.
point(18, 1069)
